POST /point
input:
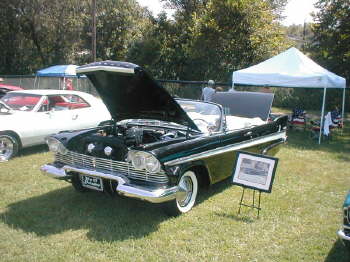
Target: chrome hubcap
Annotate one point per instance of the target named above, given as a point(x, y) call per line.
point(6, 148)
point(185, 191)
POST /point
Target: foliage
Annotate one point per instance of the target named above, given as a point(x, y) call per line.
point(209, 39)
point(331, 45)
point(46, 32)
point(118, 25)
point(231, 35)
point(39, 33)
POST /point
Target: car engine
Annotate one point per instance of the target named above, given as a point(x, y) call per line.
point(114, 142)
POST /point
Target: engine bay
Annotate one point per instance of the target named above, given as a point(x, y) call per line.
point(113, 142)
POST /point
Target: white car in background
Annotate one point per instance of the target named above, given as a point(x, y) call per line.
point(28, 116)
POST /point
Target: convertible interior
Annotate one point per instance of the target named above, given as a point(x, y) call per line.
point(244, 109)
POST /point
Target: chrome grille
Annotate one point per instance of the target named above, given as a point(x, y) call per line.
point(110, 166)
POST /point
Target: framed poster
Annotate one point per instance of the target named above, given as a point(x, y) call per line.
point(254, 171)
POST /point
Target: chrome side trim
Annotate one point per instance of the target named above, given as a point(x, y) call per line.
point(229, 148)
point(124, 186)
point(342, 235)
point(267, 149)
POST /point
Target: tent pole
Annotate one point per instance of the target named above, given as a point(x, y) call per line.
point(322, 115)
point(342, 111)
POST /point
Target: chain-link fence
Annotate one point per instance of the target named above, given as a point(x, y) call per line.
point(189, 89)
point(33, 82)
point(184, 89)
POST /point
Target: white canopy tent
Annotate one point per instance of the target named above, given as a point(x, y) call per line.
point(291, 69)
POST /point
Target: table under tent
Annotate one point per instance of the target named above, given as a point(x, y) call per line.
point(58, 77)
point(291, 69)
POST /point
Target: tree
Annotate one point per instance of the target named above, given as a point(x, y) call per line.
point(331, 42)
point(42, 33)
point(331, 45)
point(39, 33)
point(118, 25)
point(230, 35)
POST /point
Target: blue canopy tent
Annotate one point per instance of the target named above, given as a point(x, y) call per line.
point(62, 72)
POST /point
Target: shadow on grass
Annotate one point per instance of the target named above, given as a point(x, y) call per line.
point(338, 253)
point(238, 218)
point(105, 218)
point(33, 150)
point(339, 143)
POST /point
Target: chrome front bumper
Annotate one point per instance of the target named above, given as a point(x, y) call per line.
point(342, 235)
point(124, 186)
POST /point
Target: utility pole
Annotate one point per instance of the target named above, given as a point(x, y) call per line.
point(93, 45)
point(304, 33)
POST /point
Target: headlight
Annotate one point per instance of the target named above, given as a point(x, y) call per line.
point(56, 146)
point(152, 164)
point(137, 159)
point(142, 160)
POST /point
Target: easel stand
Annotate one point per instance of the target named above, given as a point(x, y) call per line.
point(253, 206)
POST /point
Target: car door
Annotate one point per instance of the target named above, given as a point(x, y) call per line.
point(83, 115)
point(38, 124)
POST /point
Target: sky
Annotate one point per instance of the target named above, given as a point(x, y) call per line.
point(296, 11)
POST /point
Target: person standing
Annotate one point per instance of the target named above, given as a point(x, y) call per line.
point(208, 91)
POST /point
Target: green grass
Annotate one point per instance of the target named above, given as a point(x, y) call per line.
point(42, 219)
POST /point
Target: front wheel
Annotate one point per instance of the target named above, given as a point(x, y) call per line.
point(186, 195)
point(8, 147)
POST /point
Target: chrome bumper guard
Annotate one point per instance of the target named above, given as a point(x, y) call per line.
point(124, 186)
point(342, 235)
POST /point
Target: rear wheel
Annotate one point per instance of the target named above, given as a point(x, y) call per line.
point(8, 146)
point(186, 196)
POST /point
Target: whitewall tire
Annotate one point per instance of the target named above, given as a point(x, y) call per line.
point(186, 195)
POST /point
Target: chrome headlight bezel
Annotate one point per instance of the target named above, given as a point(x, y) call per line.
point(144, 161)
point(56, 146)
point(152, 164)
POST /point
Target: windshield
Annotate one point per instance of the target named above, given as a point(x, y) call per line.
point(21, 102)
point(151, 122)
point(206, 116)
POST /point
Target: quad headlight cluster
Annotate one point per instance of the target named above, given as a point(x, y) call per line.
point(56, 146)
point(144, 161)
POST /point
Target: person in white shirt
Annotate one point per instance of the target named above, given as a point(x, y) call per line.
point(209, 91)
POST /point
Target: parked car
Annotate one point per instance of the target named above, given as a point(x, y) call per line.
point(7, 88)
point(28, 116)
point(157, 148)
point(344, 232)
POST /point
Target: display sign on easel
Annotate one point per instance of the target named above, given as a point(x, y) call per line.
point(255, 172)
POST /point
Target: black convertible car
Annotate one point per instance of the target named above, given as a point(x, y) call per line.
point(157, 148)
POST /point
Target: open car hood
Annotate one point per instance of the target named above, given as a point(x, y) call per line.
point(130, 93)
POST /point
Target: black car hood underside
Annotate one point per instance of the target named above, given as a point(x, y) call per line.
point(130, 93)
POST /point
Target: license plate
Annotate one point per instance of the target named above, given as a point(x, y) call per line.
point(91, 182)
